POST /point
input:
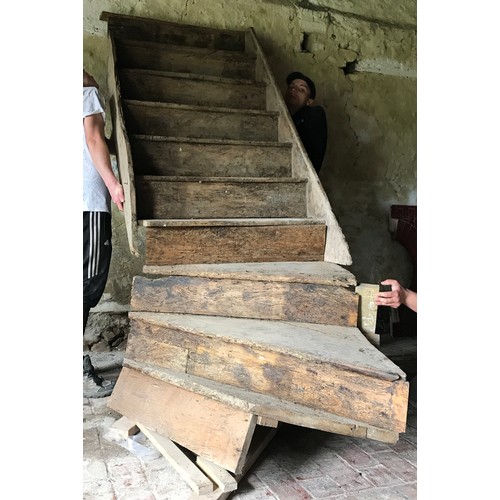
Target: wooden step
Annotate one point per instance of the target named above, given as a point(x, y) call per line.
point(205, 241)
point(184, 59)
point(325, 367)
point(219, 197)
point(180, 120)
point(144, 376)
point(181, 88)
point(284, 292)
point(174, 156)
point(125, 27)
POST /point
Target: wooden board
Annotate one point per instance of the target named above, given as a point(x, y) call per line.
point(327, 367)
point(214, 197)
point(199, 90)
point(204, 157)
point(209, 428)
point(240, 298)
point(181, 120)
point(201, 245)
point(180, 462)
point(265, 406)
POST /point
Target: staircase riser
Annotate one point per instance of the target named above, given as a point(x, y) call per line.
point(309, 303)
point(176, 34)
point(207, 124)
point(150, 87)
point(209, 160)
point(175, 246)
point(130, 56)
point(184, 200)
point(261, 369)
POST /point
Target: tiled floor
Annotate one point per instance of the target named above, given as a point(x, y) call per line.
point(299, 463)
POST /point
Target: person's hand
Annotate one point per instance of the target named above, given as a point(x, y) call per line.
point(118, 195)
point(395, 297)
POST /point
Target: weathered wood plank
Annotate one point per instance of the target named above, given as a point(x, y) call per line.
point(320, 272)
point(241, 298)
point(197, 157)
point(267, 406)
point(209, 428)
point(180, 120)
point(209, 197)
point(155, 30)
point(184, 59)
point(198, 481)
point(198, 245)
point(160, 86)
point(327, 367)
point(220, 476)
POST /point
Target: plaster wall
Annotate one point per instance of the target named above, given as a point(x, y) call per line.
point(362, 57)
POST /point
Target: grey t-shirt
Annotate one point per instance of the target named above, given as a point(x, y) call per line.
point(96, 197)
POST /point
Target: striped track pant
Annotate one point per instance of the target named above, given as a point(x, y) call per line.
point(96, 258)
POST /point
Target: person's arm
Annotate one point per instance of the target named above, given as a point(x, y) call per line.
point(96, 142)
point(397, 296)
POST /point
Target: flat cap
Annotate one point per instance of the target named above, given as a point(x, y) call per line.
point(298, 75)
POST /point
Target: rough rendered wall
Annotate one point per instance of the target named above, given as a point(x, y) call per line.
point(362, 57)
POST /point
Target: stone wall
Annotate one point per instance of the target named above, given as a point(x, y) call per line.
point(362, 57)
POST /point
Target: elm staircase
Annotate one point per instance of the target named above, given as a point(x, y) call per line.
point(244, 317)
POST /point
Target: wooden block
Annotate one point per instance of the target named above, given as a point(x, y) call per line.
point(124, 428)
point(220, 476)
point(198, 245)
point(211, 429)
point(267, 422)
point(180, 462)
point(367, 318)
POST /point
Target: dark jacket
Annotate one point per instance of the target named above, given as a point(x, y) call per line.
point(310, 122)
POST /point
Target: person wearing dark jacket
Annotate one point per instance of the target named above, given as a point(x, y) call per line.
point(309, 120)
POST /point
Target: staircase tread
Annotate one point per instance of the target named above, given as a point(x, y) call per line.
point(319, 272)
point(228, 180)
point(331, 344)
point(205, 51)
point(195, 76)
point(262, 221)
point(196, 140)
point(192, 107)
point(264, 405)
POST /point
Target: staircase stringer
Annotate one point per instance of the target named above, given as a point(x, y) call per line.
point(318, 205)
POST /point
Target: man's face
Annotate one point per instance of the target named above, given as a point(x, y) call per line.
point(297, 94)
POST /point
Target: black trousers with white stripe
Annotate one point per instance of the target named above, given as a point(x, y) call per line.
point(96, 258)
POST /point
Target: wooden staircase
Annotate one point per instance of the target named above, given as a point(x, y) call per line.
point(244, 317)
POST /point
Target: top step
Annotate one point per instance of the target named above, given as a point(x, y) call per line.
point(184, 59)
point(152, 30)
